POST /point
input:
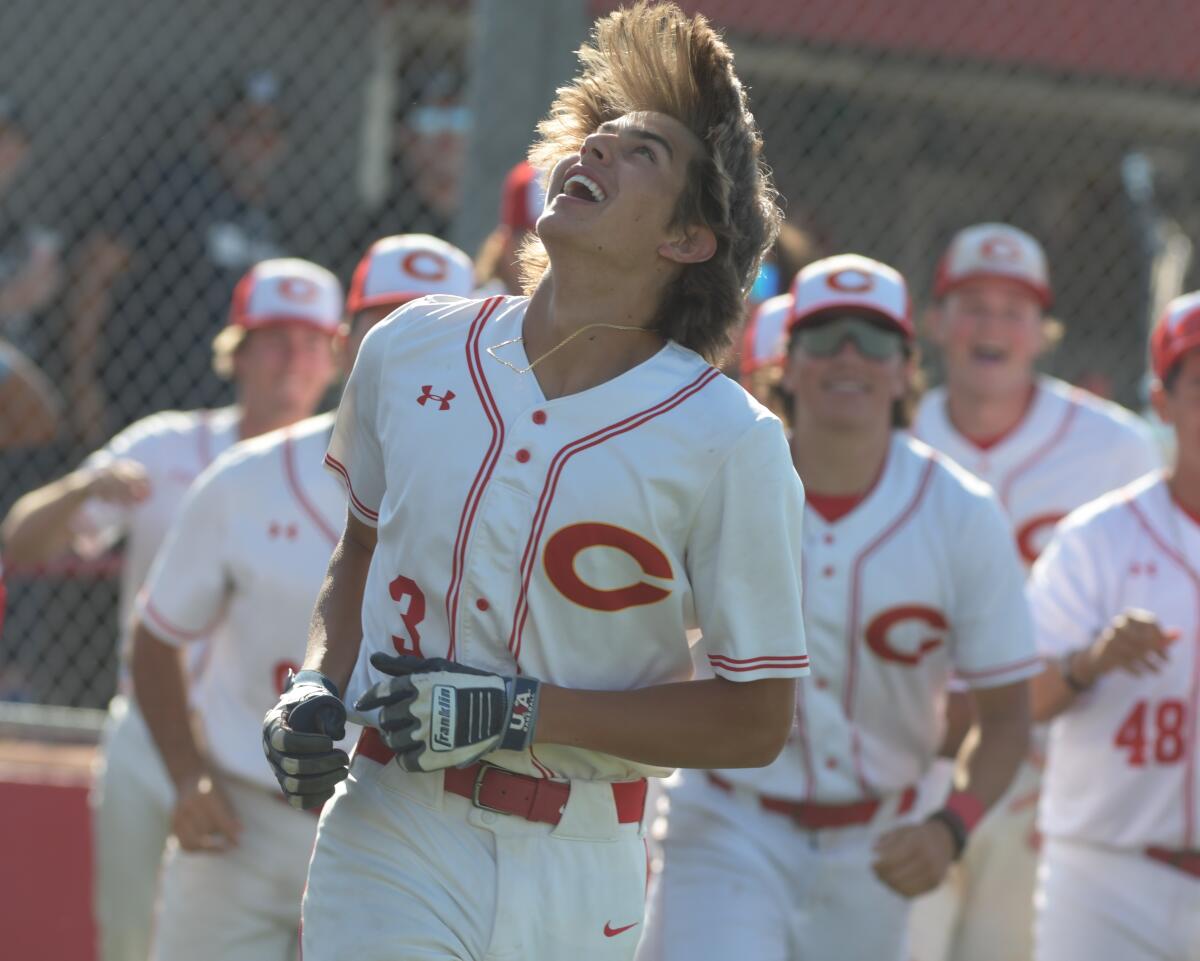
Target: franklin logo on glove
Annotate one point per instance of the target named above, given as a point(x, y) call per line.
point(444, 715)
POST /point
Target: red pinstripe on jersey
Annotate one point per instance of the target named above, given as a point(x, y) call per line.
point(1189, 781)
point(492, 411)
point(293, 482)
point(853, 615)
point(757, 663)
point(554, 472)
point(173, 631)
point(338, 466)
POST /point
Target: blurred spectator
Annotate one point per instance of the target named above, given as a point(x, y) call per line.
point(30, 265)
point(521, 202)
point(29, 407)
point(154, 282)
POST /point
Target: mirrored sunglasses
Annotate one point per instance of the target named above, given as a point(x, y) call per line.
point(871, 340)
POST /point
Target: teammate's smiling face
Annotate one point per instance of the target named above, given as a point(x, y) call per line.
point(616, 197)
point(1180, 407)
point(991, 332)
point(284, 369)
point(848, 389)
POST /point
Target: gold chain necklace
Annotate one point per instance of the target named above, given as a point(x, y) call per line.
point(562, 343)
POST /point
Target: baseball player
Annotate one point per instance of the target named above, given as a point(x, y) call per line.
point(802, 852)
point(764, 347)
point(1045, 448)
point(545, 493)
point(131, 489)
point(242, 566)
point(1116, 607)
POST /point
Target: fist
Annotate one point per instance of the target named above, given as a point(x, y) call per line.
point(914, 859)
point(122, 482)
point(298, 740)
point(203, 819)
point(1134, 643)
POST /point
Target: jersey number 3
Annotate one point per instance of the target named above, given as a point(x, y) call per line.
point(1162, 734)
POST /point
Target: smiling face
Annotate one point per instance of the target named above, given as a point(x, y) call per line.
point(1179, 406)
point(616, 198)
point(284, 369)
point(990, 332)
point(836, 384)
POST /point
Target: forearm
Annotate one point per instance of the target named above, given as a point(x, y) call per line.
point(335, 633)
point(38, 526)
point(1049, 693)
point(711, 723)
point(29, 407)
point(161, 691)
point(994, 751)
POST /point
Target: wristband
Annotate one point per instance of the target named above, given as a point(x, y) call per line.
point(960, 814)
point(1064, 668)
point(958, 833)
point(523, 717)
point(311, 677)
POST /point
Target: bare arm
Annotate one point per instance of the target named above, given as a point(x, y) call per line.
point(699, 724)
point(38, 525)
point(335, 634)
point(29, 405)
point(203, 818)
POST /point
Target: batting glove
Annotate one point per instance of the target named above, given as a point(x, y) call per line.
point(298, 737)
point(437, 714)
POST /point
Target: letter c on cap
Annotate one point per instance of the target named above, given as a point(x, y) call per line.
point(425, 265)
point(850, 281)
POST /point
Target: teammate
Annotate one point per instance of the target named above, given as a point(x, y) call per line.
point(1116, 605)
point(545, 493)
point(243, 564)
point(802, 852)
point(763, 351)
point(132, 488)
point(1045, 448)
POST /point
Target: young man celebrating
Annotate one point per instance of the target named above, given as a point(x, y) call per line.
point(830, 833)
point(545, 495)
point(1116, 607)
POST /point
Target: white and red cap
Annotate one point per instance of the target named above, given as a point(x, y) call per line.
point(764, 339)
point(1177, 332)
point(287, 290)
point(997, 252)
point(849, 283)
point(407, 266)
point(523, 197)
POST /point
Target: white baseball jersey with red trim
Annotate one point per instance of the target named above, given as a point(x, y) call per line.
point(174, 447)
point(919, 580)
point(242, 566)
point(1070, 448)
point(1123, 758)
point(576, 539)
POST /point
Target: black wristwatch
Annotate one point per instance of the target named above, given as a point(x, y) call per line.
point(1064, 668)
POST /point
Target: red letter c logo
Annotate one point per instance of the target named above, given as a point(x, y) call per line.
point(565, 545)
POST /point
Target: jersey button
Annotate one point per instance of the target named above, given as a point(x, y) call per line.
point(522, 456)
point(539, 417)
point(828, 538)
point(827, 571)
point(821, 683)
point(831, 763)
point(482, 603)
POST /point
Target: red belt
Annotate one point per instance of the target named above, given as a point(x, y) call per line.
point(817, 817)
point(493, 788)
point(1186, 861)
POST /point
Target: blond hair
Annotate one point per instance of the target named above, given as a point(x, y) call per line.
point(652, 57)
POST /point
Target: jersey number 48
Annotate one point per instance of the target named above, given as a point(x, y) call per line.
point(1153, 732)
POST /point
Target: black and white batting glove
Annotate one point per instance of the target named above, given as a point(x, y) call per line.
point(298, 739)
point(437, 714)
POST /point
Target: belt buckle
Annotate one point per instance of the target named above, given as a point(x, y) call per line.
point(484, 767)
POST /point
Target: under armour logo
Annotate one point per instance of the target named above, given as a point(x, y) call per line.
point(290, 531)
point(443, 400)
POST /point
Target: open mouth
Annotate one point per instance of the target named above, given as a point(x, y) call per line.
point(581, 187)
point(989, 355)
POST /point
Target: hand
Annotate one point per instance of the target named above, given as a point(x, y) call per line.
point(1134, 643)
point(914, 859)
point(203, 819)
point(122, 482)
point(298, 736)
point(34, 284)
point(437, 714)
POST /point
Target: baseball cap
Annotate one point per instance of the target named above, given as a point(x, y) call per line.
point(997, 251)
point(855, 284)
point(764, 341)
point(403, 267)
point(523, 197)
point(287, 290)
point(1177, 332)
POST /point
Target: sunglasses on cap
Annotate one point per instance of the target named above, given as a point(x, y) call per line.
point(870, 339)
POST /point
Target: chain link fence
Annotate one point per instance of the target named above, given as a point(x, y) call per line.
point(150, 153)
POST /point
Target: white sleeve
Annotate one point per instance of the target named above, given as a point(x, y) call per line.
point(743, 560)
point(186, 589)
point(1065, 593)
point(355, 452)
point(990, 623)
point(1139, 456)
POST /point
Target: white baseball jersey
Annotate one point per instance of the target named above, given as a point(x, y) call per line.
point(919, 580)
point(174, 447)
point(1123, 758)
point(1070, 448)
point(577, 539)
point(242, 566)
